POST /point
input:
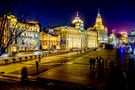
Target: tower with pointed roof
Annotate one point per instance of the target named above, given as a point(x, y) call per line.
point(78, 23)
point(99, 23)
point(102, 31)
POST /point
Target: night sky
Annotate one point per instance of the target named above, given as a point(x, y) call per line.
point(116, 14)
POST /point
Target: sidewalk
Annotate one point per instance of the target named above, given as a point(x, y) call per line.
point(77, 72)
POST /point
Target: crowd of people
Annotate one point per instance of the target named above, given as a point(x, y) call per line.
point(97, 65)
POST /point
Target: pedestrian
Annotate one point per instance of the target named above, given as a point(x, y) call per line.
point(96, 57)
point(24, 75)
point(100, 57)
point(37, 66)
point(125, 76)
point(99, 69)
point(102, 63)
point(94, 61)
point(90, 62)
point(102, 69)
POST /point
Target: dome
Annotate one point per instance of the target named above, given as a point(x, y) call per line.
point(77, 19)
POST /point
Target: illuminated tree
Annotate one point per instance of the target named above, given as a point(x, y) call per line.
point(7, 39)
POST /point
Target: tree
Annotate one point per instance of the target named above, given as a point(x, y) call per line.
point(8, 32)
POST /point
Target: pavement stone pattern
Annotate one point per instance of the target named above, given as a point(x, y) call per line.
point(71, 67)
point(79, 71)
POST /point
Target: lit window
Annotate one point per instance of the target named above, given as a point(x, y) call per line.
point(22, 33)
point(29, 34)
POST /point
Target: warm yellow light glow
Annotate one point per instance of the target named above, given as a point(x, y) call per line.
point(101, 29)
point(48, 41)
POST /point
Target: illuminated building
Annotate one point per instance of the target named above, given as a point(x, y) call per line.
point(101, 29)
point(49, 42)
point(112, 39)
point(70, 37)
point(92, 39)
point(131, 37)
point(75, 36)
point(28, 40)
point(133, 32)
point(124, 37)
point(78, 23)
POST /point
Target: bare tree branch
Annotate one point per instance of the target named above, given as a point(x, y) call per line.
point(5, 24)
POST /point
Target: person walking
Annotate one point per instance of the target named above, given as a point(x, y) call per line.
point(90, 62)
point(24, 75)
point(102, 69)
point(94, 61)
point(37, 66)
point(99, 69)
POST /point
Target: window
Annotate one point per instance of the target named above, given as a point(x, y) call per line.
point(32, 34)
point(29, 34)
point(36, 35)
point(22, 33)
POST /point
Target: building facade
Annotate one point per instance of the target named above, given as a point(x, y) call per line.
point(75, 36)
point(113, 39)
point(92, 39)
point(49, 42)
point(102, 31)
point(69, 36)
point(131, 37)
point(26, 33)
point(124, 38)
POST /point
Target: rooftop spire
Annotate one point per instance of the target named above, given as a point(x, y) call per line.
point(98, 11)
point(77, 14)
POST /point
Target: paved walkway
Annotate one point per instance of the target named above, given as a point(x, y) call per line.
point(78, 70)
point(73, 72)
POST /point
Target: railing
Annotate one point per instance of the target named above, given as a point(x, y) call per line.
point(16, 59)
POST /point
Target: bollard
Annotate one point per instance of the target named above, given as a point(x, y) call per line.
point(6, 61)
point(20, 59)
point(31, 57)
point(26, 58)
point(14, 60)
